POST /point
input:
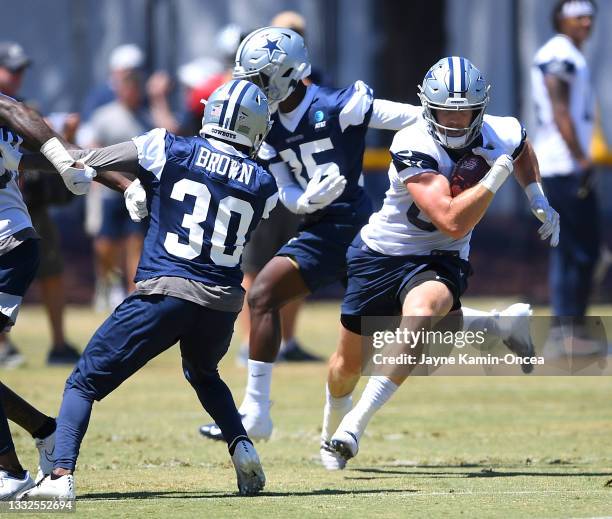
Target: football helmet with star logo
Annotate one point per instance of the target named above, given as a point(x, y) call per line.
point(275, 59)
point(453, 83)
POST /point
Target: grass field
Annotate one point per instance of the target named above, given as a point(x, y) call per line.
point(443, 447)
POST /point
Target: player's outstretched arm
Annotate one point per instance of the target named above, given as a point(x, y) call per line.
point(456, 216)
point(389, 115)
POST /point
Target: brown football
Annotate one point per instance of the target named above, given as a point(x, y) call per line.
point(468, 171)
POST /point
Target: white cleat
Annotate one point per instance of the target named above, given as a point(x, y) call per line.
point(11, 487)
point(516, 334)
point(250, 475)
point(60, 489)
point(46, 451)
point(330, 459)
point(345, 444)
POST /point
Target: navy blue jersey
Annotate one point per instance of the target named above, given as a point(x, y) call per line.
point(328, 127)
point(204, 202)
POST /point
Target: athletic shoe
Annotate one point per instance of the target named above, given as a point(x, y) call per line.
point(212, 432)
point(61, 489)
point(292, 351)
point(46, 449)
point(516, 334)
point(345, 444)
point(258, 427)
point(9, 355)
point(11, 486)
point(65, 354)
point(250, 475)
point(331, 459)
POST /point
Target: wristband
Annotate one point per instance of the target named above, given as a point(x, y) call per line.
point(534, 190)
point(54, 150)
point(498, 173)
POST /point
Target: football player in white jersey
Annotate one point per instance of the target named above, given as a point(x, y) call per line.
point(565, 108)
point(18, 264)
point(411, 259)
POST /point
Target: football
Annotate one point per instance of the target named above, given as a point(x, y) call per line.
point(468, 171)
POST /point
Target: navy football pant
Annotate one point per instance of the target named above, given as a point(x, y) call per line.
point(572, 262)
point(139, 329)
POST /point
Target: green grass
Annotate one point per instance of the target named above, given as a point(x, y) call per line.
point(443, 447)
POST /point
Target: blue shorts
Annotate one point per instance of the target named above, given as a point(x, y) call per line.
point(17, 270)
point(320, 251)
point(116, 222)
point(142, 327)
point(377, 281)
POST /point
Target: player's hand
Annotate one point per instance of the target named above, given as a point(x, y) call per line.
point(136, 201)
point(320, 193)
point(551, 226)
point(78, 179)
point(494, 155)
point(9, 149)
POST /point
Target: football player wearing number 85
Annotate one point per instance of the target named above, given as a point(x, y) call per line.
point(205, 196)
point(315, 150)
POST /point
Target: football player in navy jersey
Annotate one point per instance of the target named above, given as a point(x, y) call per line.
point(19, 256)
point(412, 258)
point(205, 196)
point(315, 151)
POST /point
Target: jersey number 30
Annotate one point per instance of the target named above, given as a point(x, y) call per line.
point(221, 243)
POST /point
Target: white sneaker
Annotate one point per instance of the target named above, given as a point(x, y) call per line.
point(345, 444)
point(516, 334)
point(11, 487)
point(256, 421)
point(251, 478)
point(61, 489)
point(330, 459)
point(46, 450)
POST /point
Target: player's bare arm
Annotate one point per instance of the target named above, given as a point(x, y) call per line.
point(559, 92)
point(526, 169)
point(452, 216)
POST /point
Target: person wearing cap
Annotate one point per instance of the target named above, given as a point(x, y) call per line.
point(39, 191)
point(13, 62)
point(122, 60)
point(564, 102)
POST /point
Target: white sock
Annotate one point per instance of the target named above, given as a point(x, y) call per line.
point(334, 411)
point(479, 320)
point(376, 393)
point(259, 379)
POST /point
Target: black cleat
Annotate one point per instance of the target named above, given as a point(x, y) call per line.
point(293, 352)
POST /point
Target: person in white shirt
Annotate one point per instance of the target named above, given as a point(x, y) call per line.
point(564, 104)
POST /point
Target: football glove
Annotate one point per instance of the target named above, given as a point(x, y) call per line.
point(9, 149)
point(320, 193)
point(542, 210)
point(136, 201)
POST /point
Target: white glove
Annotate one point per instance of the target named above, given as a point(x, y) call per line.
point(136, 201)
point(491, 154)
point(9, 149)
point(542, 210)
point(320, 193)
point(78, 180)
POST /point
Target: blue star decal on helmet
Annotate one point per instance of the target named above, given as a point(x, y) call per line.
point(272, 46)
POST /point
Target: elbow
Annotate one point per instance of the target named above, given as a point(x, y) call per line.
point(453, 229)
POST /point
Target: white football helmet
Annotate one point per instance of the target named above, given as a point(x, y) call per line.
point(453, 83)
point(275, 59)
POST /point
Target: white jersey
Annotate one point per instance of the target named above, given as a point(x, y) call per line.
point(561, 58)
point(399, 228)
point(14, 214)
